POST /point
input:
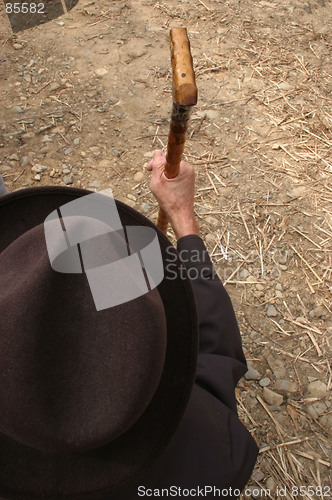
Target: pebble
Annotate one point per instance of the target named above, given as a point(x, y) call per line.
point(4, 169)
point(52, 173)
point(25, 161)
point(252, 374)
point(46, 138)
point(272, 398)
point(286, 385)
point(318, 312)
point(68, 179)
point(260, 287)
point(212, 114)
point(14, 157)
point(276, 366)
point(251, 279)
point(68, 151)
point(131, 197)
point(27, 77)
point(270, 484)
point(18, 109)
point(317, 388)
point(326, 421)
point(283, 267)
point(317, 409)
point(138, 176)
point(210, 239)
point(66, 170)
point(264, 382)
point(101, 71)
point(211, 221)
point(37, 177)
point(258, 475)
point(279, 287)
point(116, 152)
point(77, 141)
point(38, 169)
point(94, 184)
point(244, 273)
point(149, 154)
point(271, 311)
point(145, 207)
point(17, 46)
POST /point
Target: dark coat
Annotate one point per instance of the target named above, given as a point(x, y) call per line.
point(211, 448)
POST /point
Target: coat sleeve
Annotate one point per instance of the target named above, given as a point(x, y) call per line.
point(221, 362)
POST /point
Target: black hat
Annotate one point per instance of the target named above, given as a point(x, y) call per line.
point(88, 399)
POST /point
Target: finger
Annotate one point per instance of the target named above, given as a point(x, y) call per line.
point(157, 161)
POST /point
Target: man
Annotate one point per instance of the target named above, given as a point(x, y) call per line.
point(114, 403)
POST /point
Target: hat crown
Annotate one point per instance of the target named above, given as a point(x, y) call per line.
point(71, 378)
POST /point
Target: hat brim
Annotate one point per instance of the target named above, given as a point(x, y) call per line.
point(97, 474)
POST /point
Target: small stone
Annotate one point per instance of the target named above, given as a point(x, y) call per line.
point(37, 177)
point(286, 385)
point(138, 176)
point(275, 146)
point(317, 409)
point(130, 203)
point(145, 207)
point(68, 179)
point(260, 287)
point(317, 389)
point(271, 311)
point(77, 141)
point(210, 239)
point(27, 77)
point(252, 374)
point(52, 173)
point(244, 273)
point(212, 114)
point(4, 169)
point(264, 382)
point(326, 421)
point(279, 294)
point(149, 154)
point(38, 169)
point(131, 197)
point(318, 312)
point(251, 279)
point(258, 475)
point(283, 267)
point(17, 46)
point(25, 161)
point(14, 157)
point(279, 287)
point(68, 151)
point(211, 221)
point(18, 109)
point(94, 184)
point(276, 366)
point(272, 398)
point(46, 138)
point(66, 170)
point(101, 71)
point(285, 86)
point(270, 484)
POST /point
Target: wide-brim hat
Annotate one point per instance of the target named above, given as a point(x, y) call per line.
point(32, 466)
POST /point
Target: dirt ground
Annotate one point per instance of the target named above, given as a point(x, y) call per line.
point(86, 98)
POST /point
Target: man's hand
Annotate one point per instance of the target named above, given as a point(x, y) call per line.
point(175, 196)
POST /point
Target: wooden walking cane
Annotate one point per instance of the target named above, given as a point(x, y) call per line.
point(184, 97)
